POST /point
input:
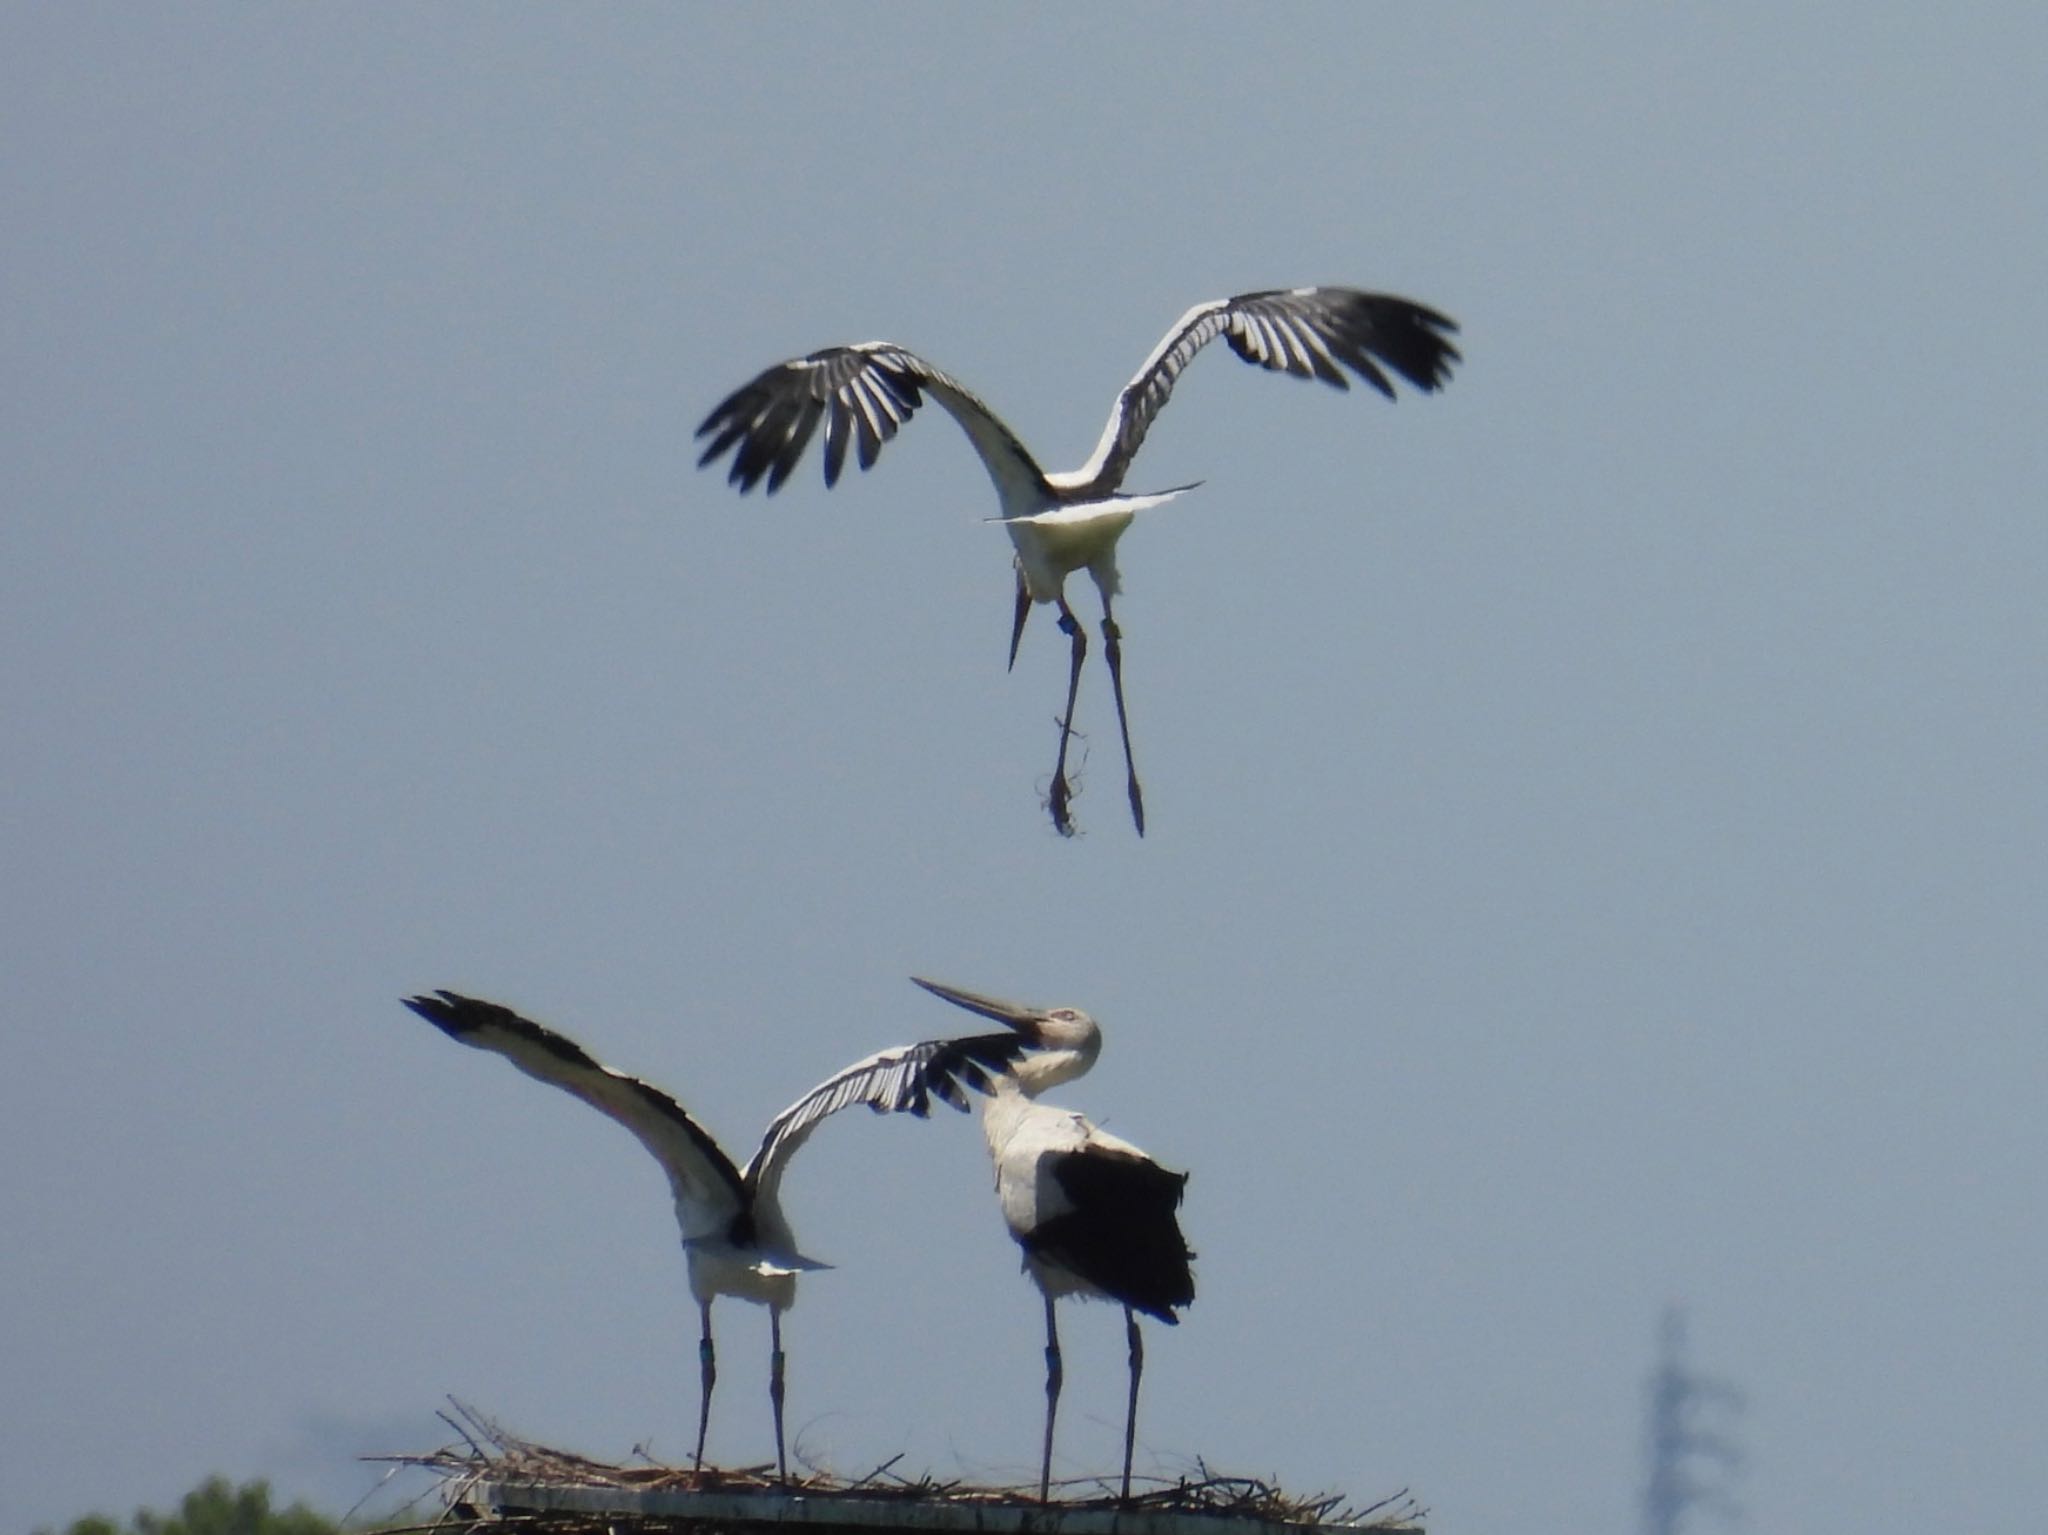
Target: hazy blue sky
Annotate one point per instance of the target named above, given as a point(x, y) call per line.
point(1599, 842)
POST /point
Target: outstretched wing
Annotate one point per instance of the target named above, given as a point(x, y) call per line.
point(903, 1079)
point(700, 1173)
point(1303, 331)
point(862, 393)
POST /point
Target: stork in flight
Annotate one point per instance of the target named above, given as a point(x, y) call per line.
point(1069, 520)
point(1094, 1214)
point(735, 1237)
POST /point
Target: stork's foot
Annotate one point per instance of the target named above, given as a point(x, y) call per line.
point(1056, 802)
point(1137, 805)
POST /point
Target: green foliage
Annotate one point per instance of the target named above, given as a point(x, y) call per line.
point(214, 1507)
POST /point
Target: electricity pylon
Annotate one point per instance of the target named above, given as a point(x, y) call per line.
point(1690, 1463)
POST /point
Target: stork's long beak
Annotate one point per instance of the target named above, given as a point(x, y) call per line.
point(1009, 1014)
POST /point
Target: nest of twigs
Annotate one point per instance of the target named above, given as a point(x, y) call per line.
point(486, 1453)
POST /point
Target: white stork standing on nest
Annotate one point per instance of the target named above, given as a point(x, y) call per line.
point(1094, 1214)
point(1070, 520)
point(735, 1236)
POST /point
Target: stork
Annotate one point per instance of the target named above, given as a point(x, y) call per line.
point(735, 1237)
point(1093, 1214)
point(1069, 520)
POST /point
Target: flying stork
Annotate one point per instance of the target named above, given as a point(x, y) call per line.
point(1094, 1214)
point(1069, 520)
point(735, 1237)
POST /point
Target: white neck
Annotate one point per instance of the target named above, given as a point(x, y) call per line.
point(1047, 1069)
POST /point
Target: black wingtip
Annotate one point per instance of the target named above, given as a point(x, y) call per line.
point(449, 1011)
point(1417, 345)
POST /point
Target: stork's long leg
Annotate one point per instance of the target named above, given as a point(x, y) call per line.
point(1131, 1415)
point(707, 1358)
point(1052, 1400)
point(775, 1363)
point(1071, 627)
point(1112, 638)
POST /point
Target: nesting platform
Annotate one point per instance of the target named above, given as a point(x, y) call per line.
point(494, 1483)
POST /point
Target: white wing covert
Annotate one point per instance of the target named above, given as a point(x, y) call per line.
point(1303, 331)
point(903, 1079)
point(863, 393)
point(699, 1172)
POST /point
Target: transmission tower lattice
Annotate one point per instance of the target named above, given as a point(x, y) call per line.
point(1690, 1463)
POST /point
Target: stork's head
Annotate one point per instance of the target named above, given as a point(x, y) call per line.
point(1064, 1040)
